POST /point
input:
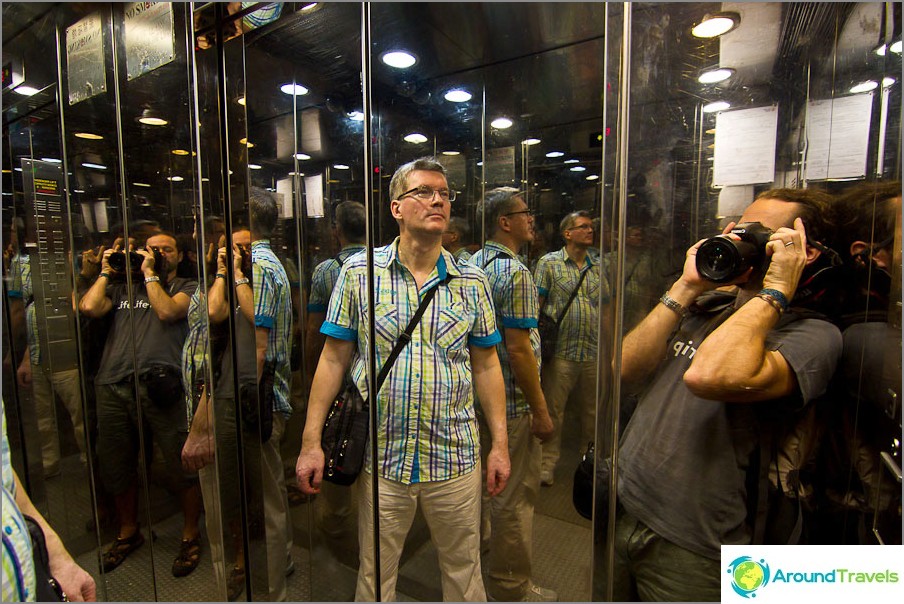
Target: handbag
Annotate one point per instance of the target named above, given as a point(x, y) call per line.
point(47, 589)
point(164, 385)
point(549, 327)
point(345, 435)
point(584, 479)
point(256, 402)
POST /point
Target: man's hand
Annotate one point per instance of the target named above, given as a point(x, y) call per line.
point(23, 374)
point(787, 251)
point(75, 582)
point(541, 425)
point(499, 468)
point(237, 261)
point(198, 450)
point(105, 258)
point(309, 468)
point(147, 265)
point(91, 262)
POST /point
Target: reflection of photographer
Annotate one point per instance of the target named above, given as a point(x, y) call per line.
point(149, 322)
point(723, 361)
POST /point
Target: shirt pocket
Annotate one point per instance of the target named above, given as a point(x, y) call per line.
point(452, 328)
point(386, 317)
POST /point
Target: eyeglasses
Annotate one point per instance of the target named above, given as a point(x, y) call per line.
point(425, 193)
point(583, 227)
point(528, 212)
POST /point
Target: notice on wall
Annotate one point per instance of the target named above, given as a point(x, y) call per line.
point(86, 76)
point(313, 196)
point(838, 137)
point(500, 167)
point(149, 37)
point(745, 146)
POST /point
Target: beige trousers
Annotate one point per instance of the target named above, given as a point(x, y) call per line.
point(560, 379)
point(66, 386)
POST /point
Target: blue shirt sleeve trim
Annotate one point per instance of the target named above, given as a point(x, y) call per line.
point(316, 307)
point(519, 323)
point(543, 291)
point(14, 293)
point(263, 321)
point(485, 341)
point(338, 332)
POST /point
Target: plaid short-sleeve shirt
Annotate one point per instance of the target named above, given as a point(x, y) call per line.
point(557, 276)
point(273, 310)
point(427, 423)
point(325, 276)
point(515, 299)
point(20, 286)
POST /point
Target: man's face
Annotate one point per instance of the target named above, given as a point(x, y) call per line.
point(450, 238)
point(771, 213)
point(520, 222)
point(429, 217)
point(580, 233)
point(242, 239)
point(166, 245)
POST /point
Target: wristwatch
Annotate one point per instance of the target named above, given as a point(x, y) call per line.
point(673, 305)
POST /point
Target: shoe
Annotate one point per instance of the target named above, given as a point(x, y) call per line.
point(235, 585)
point(546, 478)
point(540, 594)
point(120, 550)
point(290, 568)
point(187, 559)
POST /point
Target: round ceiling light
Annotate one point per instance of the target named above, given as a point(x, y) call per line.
point(255, 166)
point(501, 123)
point(457, 95)
point(895, 47)
point(341, 167)
point(399, 59)
point(530, 141)
point(714, 76)
point(89, 136)
point(864, 86)
point(175, 178)
point(451, 153)
point(578, 169)
point(716, 25)
point(302, 156)
point(554, 154)
point(572, 161)
point(293, 89)
point(355, 116)
point(240, 101)
point(95, 166)
point(716, 106)
point(888, 81)
point(415, 138)
point(593, 177)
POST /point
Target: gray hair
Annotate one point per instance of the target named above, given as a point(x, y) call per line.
point(263, 211)
point(498, 202)
point(351, 221)
point(569, 220)
point(459, 225)
point(399, 182)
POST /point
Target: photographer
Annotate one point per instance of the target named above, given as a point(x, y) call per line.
point(150, 323)
point(720, 361)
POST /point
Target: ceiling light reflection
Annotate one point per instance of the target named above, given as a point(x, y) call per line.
point(458, 96)
point(714, 76)
point(501, 123)
point(399, 59)
point(416, 138)
point(716, 106)
point(293, 89)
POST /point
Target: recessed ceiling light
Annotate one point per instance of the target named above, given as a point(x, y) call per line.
point(341, 167)
point(501, 122)
point(153, 121)
point(255, 166)
point(480, 163)
point(715, 75)
point(95, 166)
point(179, 152)
point(52, 160)
point(458, 95)
point(302, 156)
point(593, 177)
point(451, 153)
point(578, 169)
point(865, 86)
point(240, 101)
point(710, 131)
point(205, 179)
point(26, 90)
point(530, 141)
point(572, 161)
point(244, 141)
point(888, 81)
point(716, 25)
point(416, 138)
point(175, 178)
point(717, 106)
point(89, 136)
point(140, 184)
point(355, 116)
point(553, 154)
point(399, 59)
point(895, 47)
point(77, 191)
point(296, 173)
point(17, 169)
point(293, 89)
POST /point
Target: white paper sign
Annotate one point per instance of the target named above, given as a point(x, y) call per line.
point(745, 146)
point(838, 137)
point(313, 196)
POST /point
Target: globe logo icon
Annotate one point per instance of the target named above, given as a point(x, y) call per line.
point(748, 575)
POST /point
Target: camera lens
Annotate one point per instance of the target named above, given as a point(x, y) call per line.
point(721, 259)
point(117, 261)
point(135, 261)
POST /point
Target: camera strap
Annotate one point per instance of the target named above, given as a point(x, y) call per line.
point(573, 294)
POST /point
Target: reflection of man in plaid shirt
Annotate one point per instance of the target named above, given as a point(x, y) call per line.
point(428, 451)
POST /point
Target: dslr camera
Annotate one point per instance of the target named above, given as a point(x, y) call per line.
point(721, 259)
point(117, 262)
point(246, 260)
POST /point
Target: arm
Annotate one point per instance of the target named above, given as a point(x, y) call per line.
point(314, 341)
point(243, 293)
point(331, 371)
point(198, 450)
point(726, 371)
point(261, 337)
point(487, 377)
point(76, 583)
point(527, 377)
point(217, 302)
point(168, 309)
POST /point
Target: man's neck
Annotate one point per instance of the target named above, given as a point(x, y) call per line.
point(577, 253)
point(419, 255)
point(506, 240)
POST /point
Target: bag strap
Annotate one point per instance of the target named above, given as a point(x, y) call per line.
point(406, 336)
point(573, 294)
point(495, 258)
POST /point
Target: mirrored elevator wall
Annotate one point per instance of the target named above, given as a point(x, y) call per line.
point(151, 117)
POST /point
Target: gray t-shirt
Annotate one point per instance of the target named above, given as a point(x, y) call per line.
point(683, 459)
point(246, 347)
point(155, 342)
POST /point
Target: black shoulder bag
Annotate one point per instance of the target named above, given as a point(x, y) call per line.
point(345, 434)
point(549, 327)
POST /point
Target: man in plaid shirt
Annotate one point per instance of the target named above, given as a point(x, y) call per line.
point(428, 448)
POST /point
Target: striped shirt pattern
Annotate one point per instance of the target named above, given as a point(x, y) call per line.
point(427, 424)
point(18, 571)
point(462, 255)
point(325, 276)
point(273, 310)
point(517, 306)
point(557, 275)
point(194, 350)
point(20, 286)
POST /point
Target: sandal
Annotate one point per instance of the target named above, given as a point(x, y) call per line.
point(120, 550)
point(188, 558)
point(235, 585)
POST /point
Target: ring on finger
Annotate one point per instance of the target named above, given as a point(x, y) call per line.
point(789, 243)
